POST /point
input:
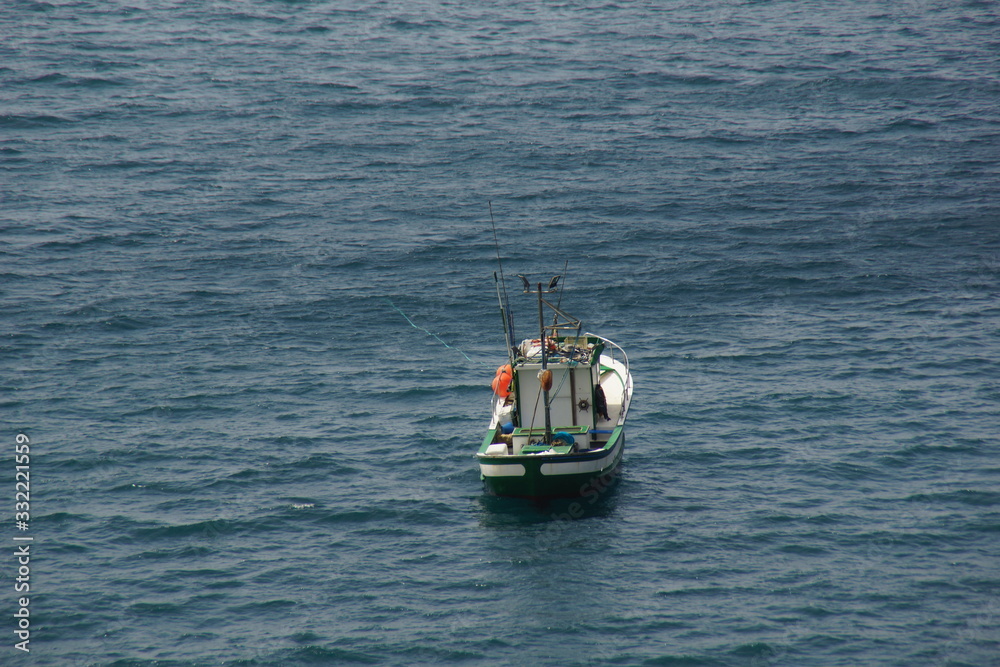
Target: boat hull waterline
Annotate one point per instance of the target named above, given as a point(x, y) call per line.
point(552, 477)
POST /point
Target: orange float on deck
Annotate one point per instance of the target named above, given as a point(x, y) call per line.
point(501, 382)
point(545, 377)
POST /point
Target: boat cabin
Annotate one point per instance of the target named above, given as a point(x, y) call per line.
point(578, 407)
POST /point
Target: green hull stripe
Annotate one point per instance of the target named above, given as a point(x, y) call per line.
point(533, 484)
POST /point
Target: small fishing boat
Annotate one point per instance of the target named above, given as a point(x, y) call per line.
point(559, 406)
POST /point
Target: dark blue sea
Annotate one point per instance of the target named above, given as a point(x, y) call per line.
point(249, 324)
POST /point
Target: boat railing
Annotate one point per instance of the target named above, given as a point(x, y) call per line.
point(616, 351)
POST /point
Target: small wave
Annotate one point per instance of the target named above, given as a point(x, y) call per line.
point(62, 518)
point(699, 591)
point(755, 651)
point(971, 497)
point(402, 513)
point(333, 85)
point(802, 550)
point(909, 124)
point(173, 554)
point(200, 528)
point(674, 661)
point(32, 121)
point(402, 24)
point(94, 82)
point(846, 471)
point(319, 655)
point(126, 239)
point(157, 609)
point(37, 6)
point(909, 454)
point(59, 547)
point(265, 606)
point(51, 77)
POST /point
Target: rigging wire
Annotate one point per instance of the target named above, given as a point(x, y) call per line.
point(433, 335)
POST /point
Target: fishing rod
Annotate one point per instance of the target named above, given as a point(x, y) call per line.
point(505, 314)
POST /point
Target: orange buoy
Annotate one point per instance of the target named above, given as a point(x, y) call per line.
point(545, 377)
point(501, 382)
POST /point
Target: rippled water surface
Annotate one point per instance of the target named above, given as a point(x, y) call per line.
point(249, 325)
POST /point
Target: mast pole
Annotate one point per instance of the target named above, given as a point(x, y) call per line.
point(545, 391)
